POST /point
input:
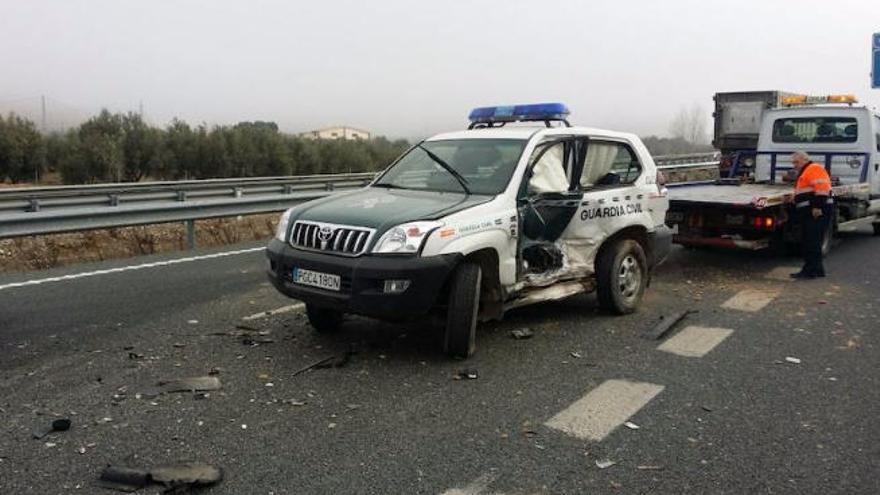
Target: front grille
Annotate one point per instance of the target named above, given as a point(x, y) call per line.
point(330, 238)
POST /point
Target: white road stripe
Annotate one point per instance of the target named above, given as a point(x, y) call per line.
point(278, 311)
point(604, 408)
point(751, 300)
point(695, 341)
point(475, 487)
point(129, 268)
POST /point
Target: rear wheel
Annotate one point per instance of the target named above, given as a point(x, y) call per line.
point(621, 276)
point(876, 228)
point(323, 320)
point(459, 339)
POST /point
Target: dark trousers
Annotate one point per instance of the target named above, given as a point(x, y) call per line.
point(813, 234)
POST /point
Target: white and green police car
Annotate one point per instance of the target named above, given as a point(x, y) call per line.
point(470, 224)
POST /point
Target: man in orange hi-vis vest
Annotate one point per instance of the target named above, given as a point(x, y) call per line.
point(813, 205)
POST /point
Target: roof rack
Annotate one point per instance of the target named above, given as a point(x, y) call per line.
point(489, 117)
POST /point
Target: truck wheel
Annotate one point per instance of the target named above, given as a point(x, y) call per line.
point(323, 320)
point(621, 276)
point(459, 339)
point(876, 228)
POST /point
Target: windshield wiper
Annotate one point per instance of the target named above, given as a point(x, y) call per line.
point(461, 180)
point(388, 185)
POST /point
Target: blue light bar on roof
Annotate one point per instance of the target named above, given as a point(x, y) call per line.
point(517, 113)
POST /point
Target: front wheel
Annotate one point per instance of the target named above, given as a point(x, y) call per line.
point(459, 338)
point(323, 320)
point(876, 228)
point(621, 276)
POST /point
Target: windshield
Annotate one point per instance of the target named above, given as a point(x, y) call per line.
point(485, 164)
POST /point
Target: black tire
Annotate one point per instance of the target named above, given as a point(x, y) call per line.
point(621, 276)
point(323, 320)
point(459, 338)
point(876, 228)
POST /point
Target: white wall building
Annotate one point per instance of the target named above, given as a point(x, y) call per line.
point(338, 132)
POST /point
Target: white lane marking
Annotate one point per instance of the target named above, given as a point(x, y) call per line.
point(475, 487)
point(121, 269)
point(782, 273)
point(751, 300)
point(604, 408)
point(278, 311)
point(695, 341)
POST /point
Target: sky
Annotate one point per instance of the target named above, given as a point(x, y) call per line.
point(414, 68)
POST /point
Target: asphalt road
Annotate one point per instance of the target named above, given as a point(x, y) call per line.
point(771, 387)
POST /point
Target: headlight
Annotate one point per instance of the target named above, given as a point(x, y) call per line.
point(283, 223)
point(405, 239)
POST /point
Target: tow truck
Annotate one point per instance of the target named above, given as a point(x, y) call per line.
point(749, 207)
point(519, 208)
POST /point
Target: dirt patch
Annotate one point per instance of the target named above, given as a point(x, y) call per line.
point(49, 251)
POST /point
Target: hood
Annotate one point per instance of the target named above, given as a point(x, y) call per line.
point(379, 208)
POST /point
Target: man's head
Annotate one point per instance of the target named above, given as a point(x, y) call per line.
point(799, 160)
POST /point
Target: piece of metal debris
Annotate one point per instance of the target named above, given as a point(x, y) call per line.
point(123, 479)
point(193, 384)
point(793, 360)
point(62, 424)
point(522, 333)
point(187, 474)
point(665, 324)
point(649, 467)
point(173, 477)
point(468, 374)
point(631, 425)
point(605, 463)
point(576, 355)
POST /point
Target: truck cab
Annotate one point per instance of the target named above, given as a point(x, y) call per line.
point(470, 224)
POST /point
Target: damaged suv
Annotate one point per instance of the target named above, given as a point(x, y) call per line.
point(470, 224)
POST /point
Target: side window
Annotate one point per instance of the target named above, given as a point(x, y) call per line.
point(609, 164)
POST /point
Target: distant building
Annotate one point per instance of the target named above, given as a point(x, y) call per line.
point(338, 132)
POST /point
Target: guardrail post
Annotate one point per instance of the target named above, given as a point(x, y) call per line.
point(190, 234)
point(114, 200)
point(181, 195)
point(34, 205)
point(288, 189)
point(329, 186)
point(237, 192)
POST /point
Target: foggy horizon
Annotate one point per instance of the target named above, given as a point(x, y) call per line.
point(404, 72)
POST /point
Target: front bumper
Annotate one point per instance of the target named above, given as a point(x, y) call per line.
point(363, 280)
point(661, 244)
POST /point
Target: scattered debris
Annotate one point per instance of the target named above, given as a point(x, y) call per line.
point(665, 324)
point(193, 384)
point(522, 333)
point(631, 425)
point(255, 341)
point(649, 467)
point(335, 361)
point(62, 424)
point(468, 374)
point(793, 360)
point(246, 328)
point(293, 402)
point(172, 477)
point(193, 322)
point(178, 345)
point(707, 408)
point(605, 463)
point(576, 355)
point(135, 355)
point(214, 371)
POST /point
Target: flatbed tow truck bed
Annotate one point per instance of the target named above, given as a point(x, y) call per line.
point(736, 195)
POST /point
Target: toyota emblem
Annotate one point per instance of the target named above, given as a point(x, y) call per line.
point(325, 234)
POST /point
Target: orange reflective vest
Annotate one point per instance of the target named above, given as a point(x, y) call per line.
point(813, 187)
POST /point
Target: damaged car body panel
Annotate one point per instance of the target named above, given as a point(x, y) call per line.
point(476, 222)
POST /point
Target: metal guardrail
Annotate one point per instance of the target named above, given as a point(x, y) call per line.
point(59, 209)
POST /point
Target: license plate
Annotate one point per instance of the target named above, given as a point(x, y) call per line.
point(317, 279)
point(734, 219)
